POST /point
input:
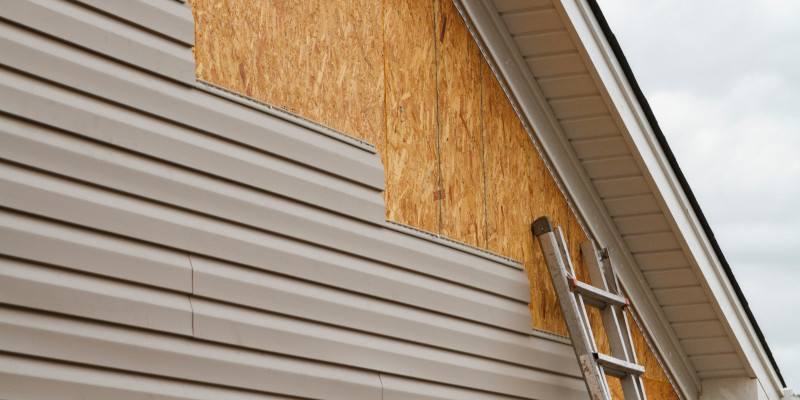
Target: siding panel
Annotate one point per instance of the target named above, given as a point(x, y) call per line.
point(30, 378)
point(102, 34)
point(174, 357)
point(44, 288)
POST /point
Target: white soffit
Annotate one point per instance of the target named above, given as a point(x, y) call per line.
point(569, 89)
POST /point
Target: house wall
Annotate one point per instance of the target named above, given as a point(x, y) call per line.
point(163, 238)
point(458, 161)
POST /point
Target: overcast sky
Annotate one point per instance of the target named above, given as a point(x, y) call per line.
point(723, 79)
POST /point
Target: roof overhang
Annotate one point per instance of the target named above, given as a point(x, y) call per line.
point(574, 92)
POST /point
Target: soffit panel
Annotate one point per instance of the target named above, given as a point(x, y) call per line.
point(587, 122)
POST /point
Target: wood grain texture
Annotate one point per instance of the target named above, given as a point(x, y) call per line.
point(460, 144)
point(509, 183)
point(410, 156)
point(546, 199)
point(326, 64)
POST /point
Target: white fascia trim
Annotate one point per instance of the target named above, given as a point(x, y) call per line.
point(668, 190)
point(535, 113)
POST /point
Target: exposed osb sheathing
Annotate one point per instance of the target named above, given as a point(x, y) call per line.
point(411, 156)
point(408, 77)
point(327, 64)
point(458, 72)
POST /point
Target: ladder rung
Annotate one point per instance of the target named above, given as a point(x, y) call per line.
point(616, 367)
point(595, 297)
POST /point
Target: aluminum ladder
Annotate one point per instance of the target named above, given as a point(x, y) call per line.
point(574, 295)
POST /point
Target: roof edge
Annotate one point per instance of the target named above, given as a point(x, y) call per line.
point(670, 156)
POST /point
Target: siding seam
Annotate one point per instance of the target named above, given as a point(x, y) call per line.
point(191, 295)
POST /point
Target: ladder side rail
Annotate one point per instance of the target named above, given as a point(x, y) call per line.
point(621, 317)
point(552, 251)
point(632, 385)
point(596, 273)
point(580, 299)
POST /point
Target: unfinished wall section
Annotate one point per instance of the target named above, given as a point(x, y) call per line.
point(408, 77)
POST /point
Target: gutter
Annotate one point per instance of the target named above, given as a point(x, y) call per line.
point(662, 141)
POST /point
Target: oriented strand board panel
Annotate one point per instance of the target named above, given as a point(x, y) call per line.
point(322, 60)
point(460, 144)
point(410, 157)
point(546, 199)
point(509, 184)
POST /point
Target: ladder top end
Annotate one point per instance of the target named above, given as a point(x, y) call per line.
point(541, 226)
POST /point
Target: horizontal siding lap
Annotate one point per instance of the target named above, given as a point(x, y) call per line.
point(93, 252)
point(43, 288)
point(113, 125)
point(172, 19)
point(286, 296)
point(144, 177)
point(105, 35)
point(400, 388)
point(175, 357)
point(26, 378)
point(71, 202)
point(188, 106)
point(274, 333)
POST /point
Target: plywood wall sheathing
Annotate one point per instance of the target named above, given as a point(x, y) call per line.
point(411, 156)
point(458, 71)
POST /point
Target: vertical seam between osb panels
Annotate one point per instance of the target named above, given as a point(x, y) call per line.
point(483, 152)
point(438, 128)
point(385, 105)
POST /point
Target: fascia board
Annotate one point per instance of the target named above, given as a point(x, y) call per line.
point(535, 113)
point(667, 188)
